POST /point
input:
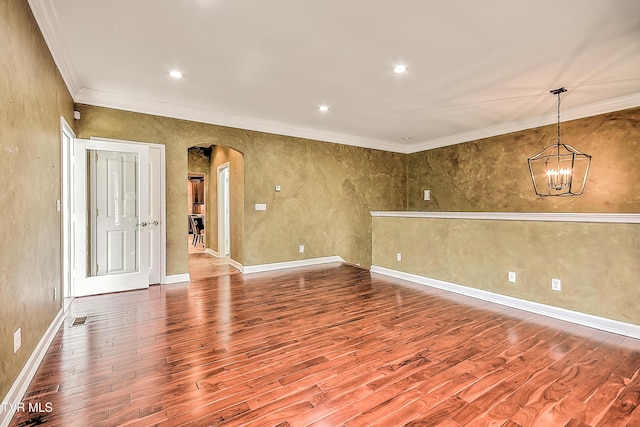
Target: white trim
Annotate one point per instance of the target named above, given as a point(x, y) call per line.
point(44, 14)
point(138, 105)
point(290, 264)
point(594, 109)
point(517, 216)
point(223, 200)
point(211, 252)
point(66, 202)
point(609, 325)
point(235, 264)
point(21, 384)
point(166, 109)
point(175, 278)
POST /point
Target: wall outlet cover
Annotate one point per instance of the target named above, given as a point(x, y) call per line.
point(556, 285)
point(512, 276)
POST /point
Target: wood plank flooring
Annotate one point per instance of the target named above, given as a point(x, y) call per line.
point(331, 345)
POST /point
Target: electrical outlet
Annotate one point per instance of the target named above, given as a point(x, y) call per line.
point(512, 276)
point(427, 194)
point(17, 340)
point(301, 249)
point(556, 285)
point(398, 256)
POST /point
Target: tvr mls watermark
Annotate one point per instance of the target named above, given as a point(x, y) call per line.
point(35, 407)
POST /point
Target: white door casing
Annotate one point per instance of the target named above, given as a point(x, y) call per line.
point(224, 244)
point(156, 243)
point(67, 251)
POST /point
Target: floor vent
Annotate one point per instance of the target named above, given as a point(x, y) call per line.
point(79, 321)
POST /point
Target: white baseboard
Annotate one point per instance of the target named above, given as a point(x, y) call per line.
point(290, 264)
point(211, 252)
point(236, 264)
point(609, 325)
point(176, 278)
point(20, 385)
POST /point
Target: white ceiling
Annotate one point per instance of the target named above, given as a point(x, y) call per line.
point(475, 68)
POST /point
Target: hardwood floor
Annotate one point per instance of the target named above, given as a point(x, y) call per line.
point(330, 345)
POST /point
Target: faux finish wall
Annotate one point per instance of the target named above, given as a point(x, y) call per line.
point(327, 189)
point(198, 159)
point(598, 263)
point(491, 175)
point(33, 97)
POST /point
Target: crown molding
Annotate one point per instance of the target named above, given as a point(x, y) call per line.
point(159, 108)
point(607, 106)
point(165, 109)
point(47, 21)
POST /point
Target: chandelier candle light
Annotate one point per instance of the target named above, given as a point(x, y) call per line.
point(559, 169)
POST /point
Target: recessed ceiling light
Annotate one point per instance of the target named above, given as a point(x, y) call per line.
point(323, 108)
point(176, 74)
point(406, 138)
point(400, 68)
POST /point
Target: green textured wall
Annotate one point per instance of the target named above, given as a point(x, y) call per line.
point(327, 189)
point(598, 263)
point(491, 175)
point(33, 97)
point(198, 159)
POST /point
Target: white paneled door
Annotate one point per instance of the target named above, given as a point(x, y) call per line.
point(111, 211)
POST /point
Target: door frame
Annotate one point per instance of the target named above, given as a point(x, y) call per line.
point(67, 248)
point(224, 215)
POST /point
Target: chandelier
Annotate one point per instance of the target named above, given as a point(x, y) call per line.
point(559, 169)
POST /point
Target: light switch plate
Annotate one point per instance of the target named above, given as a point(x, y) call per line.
point(17, 340)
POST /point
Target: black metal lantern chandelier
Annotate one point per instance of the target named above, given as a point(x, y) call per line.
point(559, 169)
